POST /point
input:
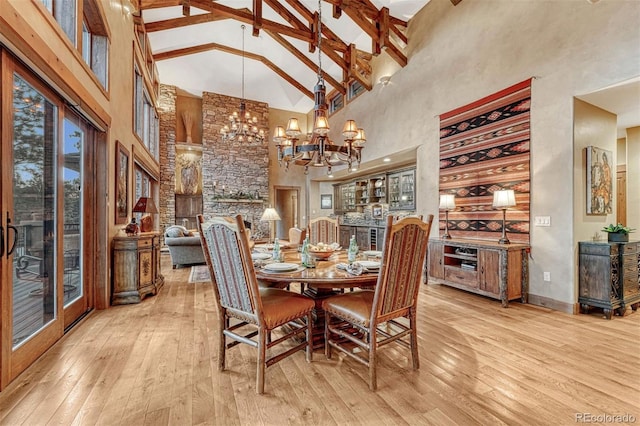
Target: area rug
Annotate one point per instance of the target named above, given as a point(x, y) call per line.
point(199, 274)
point(484, 147)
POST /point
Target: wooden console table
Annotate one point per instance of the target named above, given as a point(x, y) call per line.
point(484, 267)
point(136, 268)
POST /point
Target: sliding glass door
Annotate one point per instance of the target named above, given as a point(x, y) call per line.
point(41, 227)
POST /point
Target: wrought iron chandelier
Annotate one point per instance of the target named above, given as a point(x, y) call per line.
point(318, 150)
point(242, 125)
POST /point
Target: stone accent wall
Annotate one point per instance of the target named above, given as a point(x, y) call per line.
point(168, 123)
point(236, 166)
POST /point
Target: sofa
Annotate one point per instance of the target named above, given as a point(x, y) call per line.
point(184, 246)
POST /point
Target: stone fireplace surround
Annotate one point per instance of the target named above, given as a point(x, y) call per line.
point(238, 167)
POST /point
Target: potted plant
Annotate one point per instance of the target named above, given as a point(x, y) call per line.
point(618, 233)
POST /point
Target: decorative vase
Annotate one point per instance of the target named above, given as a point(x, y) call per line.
point(618, 237)
point(189, 177)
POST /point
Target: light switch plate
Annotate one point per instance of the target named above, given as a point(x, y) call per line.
point(542, 220)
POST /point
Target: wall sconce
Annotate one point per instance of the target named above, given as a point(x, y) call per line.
point(385, 79)
point(503, 200)
point(447, 203)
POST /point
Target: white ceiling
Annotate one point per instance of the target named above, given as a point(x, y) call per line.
point(220, 72)
point(622, 99)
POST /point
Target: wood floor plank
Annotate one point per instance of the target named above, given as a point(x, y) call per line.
point(155, 363)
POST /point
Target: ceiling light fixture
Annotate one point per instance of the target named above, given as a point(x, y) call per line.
point(319, 150)
point(243, 125)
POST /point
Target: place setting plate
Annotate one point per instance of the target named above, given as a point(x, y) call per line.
point(370, 265)
point(280, 267)
point(372, 253)
point(260, 256)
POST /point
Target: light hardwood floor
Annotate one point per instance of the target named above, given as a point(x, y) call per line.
point(154, 363)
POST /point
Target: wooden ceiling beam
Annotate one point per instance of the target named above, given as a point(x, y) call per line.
point(170, 24)
point(257, 17)
point(156, 4)
point(286, 14)
point(247, 17)
point(308, 62)
point(216, 46)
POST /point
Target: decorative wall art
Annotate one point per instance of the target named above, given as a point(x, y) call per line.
point(599, 181)
point(122, 183)
point(326, 201)
point(485, 147)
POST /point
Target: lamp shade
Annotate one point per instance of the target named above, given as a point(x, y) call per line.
point(145, 205)
point(350, 129)
point(293, 128)
point(504, 199)
point(447, 202)
point(279, 135)
point(270, 214)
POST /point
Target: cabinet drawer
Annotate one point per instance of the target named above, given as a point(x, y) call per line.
point(629, 248)
point(460, 276)
point(602, 249)
point(144, 243)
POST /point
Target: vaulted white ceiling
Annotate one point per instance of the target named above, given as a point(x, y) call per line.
point(219, 71)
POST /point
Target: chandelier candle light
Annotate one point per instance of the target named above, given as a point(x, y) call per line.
point(447, 203)
point(243, 126)
point(503, 200)
point(319, 150)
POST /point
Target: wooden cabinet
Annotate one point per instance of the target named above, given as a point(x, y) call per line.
point(401, 189)
point(187, 207)
point(609, 276)
point(345, 198)
point(484, 267)
point(136, 268)
point(345, 235)
point(368, 238)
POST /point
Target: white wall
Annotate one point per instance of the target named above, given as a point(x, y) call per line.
point(461, 53)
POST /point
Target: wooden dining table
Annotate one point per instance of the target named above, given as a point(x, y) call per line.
point(325, 280)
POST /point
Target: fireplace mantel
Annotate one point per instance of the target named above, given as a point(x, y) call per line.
point(237, 201)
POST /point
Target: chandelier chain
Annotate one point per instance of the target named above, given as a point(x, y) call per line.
point(319, 40)
point(243, 30)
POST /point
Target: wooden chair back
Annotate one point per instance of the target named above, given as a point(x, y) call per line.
point(403, 258)
point(230, 266)
point(323, 229)
point(297, 235)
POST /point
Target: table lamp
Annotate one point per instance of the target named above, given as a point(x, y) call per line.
point(447, 203)
point(146, 205)
point(503, 200)
point(271, 215)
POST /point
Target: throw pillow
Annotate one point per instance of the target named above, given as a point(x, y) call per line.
point(174, 232)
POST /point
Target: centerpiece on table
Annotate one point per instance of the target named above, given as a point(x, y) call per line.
point(618, 233)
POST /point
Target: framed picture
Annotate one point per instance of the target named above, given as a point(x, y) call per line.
point(122, 183)
point(376, 211)
point(326, 201)
point(599, 181)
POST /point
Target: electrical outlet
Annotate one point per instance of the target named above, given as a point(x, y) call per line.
point(547, 276)
point(542, 220)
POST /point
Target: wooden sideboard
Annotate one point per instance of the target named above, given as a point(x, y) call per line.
point(489, 268)
point(136, 268)
point(609, 276)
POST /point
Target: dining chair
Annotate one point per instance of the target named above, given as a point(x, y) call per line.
point(323, 229)
point(297, 235)
point(246, 313)
point(376, 313)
